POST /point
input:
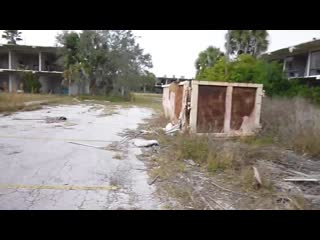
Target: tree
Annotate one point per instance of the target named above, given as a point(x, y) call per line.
point(148, 81)
point(253, 42)
point(12, 36)
point(248, 69)
point(76, 68)
point(31, 82)
point(110, 60)
point(207, 58)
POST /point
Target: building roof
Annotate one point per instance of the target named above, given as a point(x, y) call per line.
point(28, 48)
point(294, 50)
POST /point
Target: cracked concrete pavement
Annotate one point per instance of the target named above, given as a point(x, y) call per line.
point(33, 152)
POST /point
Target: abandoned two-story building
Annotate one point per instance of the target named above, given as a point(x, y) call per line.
point(16, 59)
point(161, 81)
point(301, 61)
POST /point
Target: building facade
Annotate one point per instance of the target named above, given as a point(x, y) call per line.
point(301, 61)
point(17, 59)
point(162, 81)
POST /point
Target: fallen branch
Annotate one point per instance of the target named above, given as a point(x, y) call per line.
point(154, 180)
point(127, 138)
point(257, 176)
point(86, 145)
point(228, 190)
point(298, 173)
point(301, 180)
point(205, 201)
point(217, 203)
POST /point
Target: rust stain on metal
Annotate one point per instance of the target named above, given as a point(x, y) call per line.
point(220, 108)
point(243, 104)
point(211, 108)
point(178, 100)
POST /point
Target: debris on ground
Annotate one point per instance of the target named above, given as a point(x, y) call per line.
point(301, 179)
point(77, 100)
point(70, 124)
point(191, 162)
point(154, 180)
point(146, 132)
point(36, 102)
point(47, 119)
point(145, 143)
point(55, 119)
point(170, 128)
point(86, 145)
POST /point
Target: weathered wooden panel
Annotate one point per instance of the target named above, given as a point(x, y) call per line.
point(172, 101)
point(178, 100)
point(243, 104)
point(211, 109)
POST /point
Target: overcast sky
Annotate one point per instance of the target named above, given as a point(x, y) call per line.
point(175, 51)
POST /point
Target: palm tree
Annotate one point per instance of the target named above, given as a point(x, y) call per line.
point(207, 58)
point(252, 42)
point(12, 36)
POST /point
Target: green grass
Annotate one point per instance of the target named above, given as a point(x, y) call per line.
point(150, 100)
point(259, 140)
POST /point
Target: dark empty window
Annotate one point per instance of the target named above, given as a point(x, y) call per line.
point(296, 65)
point(315, 63)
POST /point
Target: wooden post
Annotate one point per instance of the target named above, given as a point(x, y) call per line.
point(227, 114)
point(194, 106)
point(258, 102)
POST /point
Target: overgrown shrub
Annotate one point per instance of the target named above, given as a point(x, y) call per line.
point(248, 69)
point(31, 83)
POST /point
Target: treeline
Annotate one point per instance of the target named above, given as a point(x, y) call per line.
point(241, 62)
point(110, 61)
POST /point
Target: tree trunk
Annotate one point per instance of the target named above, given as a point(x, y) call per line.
point(122, 91)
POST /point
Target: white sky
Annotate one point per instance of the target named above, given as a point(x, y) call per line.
point(175, 51)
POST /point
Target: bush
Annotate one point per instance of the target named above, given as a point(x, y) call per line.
point(31, 82)
point(248, 69)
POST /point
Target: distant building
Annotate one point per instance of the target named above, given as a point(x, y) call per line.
point(16, 59)
point(161, 81)
point(301, 61)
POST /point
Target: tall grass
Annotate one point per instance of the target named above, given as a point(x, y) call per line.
point(294, 123)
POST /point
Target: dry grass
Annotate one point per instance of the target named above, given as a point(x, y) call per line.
point(216, 156)
point(294, 123)
point(150, 100)
point(118, 156)
point(10, 102)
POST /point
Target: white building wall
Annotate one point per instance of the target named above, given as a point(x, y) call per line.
point(13, 82)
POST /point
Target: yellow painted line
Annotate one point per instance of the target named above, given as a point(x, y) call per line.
point(62, 187)
point(61, 139)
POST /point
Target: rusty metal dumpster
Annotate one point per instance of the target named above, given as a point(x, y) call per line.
point(218, 108)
